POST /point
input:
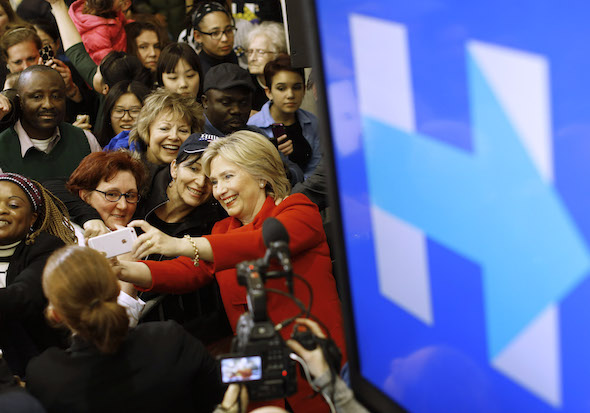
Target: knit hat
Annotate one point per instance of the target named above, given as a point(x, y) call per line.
point(27, 186)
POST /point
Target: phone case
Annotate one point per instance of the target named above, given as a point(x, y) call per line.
point(114, 243)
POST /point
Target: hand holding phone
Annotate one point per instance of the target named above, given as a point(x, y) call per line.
point(114, 243)
point(278, 130)
point(46, 53)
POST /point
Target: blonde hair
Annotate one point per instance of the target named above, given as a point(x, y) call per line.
point(166, 101)
point(255, 154)
point(83, 289)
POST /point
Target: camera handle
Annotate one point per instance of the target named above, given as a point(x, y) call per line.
point(251, 275)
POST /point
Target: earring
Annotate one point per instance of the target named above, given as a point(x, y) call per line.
point(262, 184)
point(171, 183)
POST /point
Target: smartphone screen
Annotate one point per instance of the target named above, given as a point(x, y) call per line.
point(240, 369)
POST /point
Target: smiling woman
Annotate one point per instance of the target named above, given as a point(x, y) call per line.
point(165, 122)
point(249, 180)
point(121, 109)
point(110, 182)
point(32, 225)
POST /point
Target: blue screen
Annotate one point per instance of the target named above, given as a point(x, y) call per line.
point(461, 141)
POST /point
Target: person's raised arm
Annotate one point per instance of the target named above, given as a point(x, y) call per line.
point(154, 241)
point(67, 30)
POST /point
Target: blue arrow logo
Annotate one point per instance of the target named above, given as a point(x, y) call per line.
point(491, 205)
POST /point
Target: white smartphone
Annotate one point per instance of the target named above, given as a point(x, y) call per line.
point(114, 243)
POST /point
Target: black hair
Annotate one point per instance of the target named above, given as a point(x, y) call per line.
point(171, 55)
point(48, 26)
point(184, 156)
point(105, 131)
point(118, 66)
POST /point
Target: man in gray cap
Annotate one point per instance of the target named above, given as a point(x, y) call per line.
point(227, 101)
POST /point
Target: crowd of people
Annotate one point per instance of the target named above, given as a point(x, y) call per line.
point(113, 115)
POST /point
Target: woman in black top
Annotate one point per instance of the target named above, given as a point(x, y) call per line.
point(155, 367)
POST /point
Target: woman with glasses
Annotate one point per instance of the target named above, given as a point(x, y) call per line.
point(213, 30)
point(121, 109)
point(265, 43)
point(177, 202)
point(109, 182)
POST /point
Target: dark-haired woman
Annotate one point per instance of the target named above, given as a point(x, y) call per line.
point(155, 367)
point(213, 29)
point(121, 109)
point(143, 41)
point(33, 225)
point(179, 70)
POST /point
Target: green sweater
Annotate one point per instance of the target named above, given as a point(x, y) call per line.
point(65, 156)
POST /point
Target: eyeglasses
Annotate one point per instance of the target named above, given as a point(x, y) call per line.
point(114, 196)
point(216, 35)
point(258, 52)
point(118, 113)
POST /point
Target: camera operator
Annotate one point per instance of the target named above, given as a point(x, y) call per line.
point(325, 380)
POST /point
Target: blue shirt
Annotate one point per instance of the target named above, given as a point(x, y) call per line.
point(309, 128)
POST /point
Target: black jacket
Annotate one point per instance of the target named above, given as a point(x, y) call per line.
point(24, 332)
point(201, 312)
point(159, 368)
point(199, 222)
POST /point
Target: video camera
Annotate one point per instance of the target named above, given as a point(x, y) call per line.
point(260, 356)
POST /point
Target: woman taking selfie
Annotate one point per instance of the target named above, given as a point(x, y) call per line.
point(33, 224)
point(154, 367)
point(179, 202)
point(249, 181)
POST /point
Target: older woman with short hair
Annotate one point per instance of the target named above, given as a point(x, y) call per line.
point(249, 181)
point(166, 120)
point(265, 42)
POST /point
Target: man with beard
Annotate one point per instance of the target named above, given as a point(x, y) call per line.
point(227, 101)
point(40, 145)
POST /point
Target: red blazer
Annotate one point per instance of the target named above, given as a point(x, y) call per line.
point(233, 243)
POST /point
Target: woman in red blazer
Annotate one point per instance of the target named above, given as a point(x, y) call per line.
point(249, 181)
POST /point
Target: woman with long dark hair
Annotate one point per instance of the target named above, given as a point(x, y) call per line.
point(121, 109)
